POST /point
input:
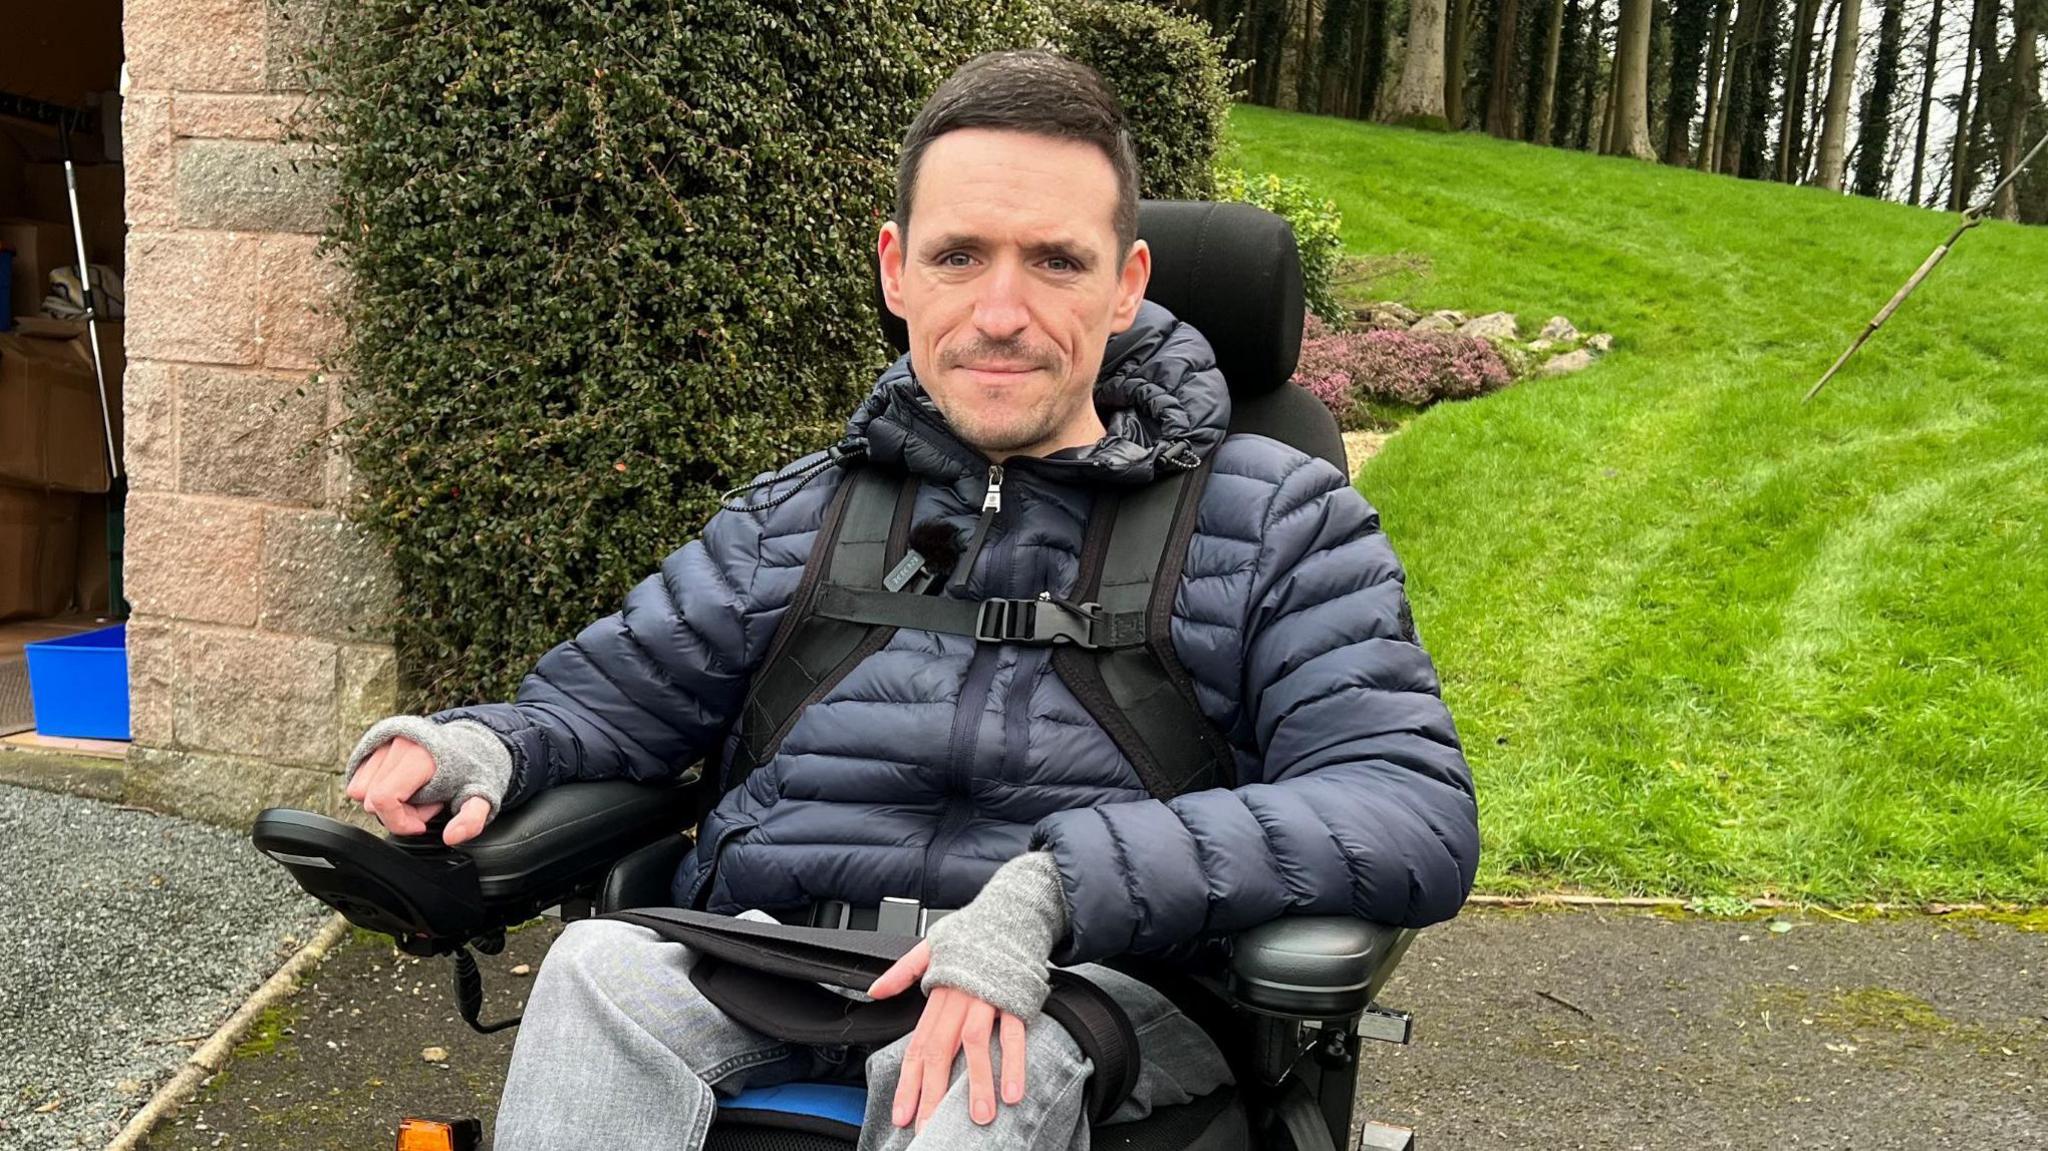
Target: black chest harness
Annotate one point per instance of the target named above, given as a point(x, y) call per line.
point(1110, 645)
point(1110, 642)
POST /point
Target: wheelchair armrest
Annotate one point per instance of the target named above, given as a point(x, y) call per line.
point(433, 898)
point(1314, 967)
point(567, 838)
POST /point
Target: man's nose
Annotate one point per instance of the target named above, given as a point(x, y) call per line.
point(999, 310)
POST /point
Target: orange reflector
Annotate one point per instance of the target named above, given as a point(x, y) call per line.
point(425, 1135)
point(439, 1134)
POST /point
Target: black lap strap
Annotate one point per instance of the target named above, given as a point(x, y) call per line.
point(766, 976)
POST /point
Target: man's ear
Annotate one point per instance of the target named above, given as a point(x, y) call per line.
point(1130, 289)
point(889, 253)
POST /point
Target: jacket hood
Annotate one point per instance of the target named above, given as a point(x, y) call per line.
point(1163, 403)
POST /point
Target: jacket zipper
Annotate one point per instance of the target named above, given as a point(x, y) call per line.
point(973, 701)
point(991, 507)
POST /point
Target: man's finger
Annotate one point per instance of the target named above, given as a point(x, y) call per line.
point(981, 1084)
point(359, 783)
point(1014, 1058)
point(938, 1055)
point(467, 822)
point(903, 973)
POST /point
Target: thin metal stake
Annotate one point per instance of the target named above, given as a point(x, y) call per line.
point(92, 323)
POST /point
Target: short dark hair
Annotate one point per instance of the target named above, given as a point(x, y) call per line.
point(1034, 91)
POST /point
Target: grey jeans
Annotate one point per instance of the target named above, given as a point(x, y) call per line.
point(619, 1050)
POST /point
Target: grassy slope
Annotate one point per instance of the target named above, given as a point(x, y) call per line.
point(1699, 638)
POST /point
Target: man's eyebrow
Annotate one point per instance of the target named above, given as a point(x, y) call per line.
point(949, 241)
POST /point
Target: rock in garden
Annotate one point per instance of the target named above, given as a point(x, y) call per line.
point(1558, 328)
point(1542, 344)
point(1438, 322)
point(1388, 313)
point(1568, 363)
point(1601, 344)
point(522, 969)
point(435, 1055)
point(1491, 326)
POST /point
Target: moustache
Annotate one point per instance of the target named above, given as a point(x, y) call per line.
point(1009, 352)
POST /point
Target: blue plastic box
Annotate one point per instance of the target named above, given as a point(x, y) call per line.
point(79, 684)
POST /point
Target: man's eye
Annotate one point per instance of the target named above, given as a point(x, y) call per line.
point(955, 260)
point(1062, 264)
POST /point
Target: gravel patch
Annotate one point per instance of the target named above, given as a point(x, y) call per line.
point(122, 932)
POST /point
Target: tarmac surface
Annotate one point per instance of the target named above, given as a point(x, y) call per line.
point(1534, 1029)
point(126, 937)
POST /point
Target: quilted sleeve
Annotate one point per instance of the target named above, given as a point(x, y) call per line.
point(1363, 804)
point(644, 693)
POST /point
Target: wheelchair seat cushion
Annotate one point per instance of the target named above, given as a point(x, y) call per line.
point(827, 1116)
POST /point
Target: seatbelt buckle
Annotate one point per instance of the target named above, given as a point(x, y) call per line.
point(1042, 621)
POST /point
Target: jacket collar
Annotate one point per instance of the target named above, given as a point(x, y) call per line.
point(1162, 400)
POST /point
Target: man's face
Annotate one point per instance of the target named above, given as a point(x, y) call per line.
point(1009, 282)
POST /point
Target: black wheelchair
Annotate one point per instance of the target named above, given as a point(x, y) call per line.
point(1288, 1006)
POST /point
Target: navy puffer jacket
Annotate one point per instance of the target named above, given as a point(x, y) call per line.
point(937, 759)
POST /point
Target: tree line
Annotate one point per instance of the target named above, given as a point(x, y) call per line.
point(1929, 102)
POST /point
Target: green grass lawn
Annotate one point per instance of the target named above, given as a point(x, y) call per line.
point(1699, 638)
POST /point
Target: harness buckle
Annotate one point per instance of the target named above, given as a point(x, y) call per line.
point(1040, 622)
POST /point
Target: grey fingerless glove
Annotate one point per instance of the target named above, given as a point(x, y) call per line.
point(469, 759)
point(996, 948)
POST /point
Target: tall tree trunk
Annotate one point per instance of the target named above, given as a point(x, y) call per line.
point(1529, 69)
point(1717, 100)
point(1571, 67)
point(1333, 64)
point(1834, 126)
point(1754, 135)
point(1546, 92)
point(1308, 57)
point(2022, 68)
point(1798, 61)
point(1966, 113)
point(1737, 85)
point(1372, 66)
point(1457, 38)
point(1874, 133)
point(1500, 83)
point(1927, 63)
point(1631, 134)
point(1807, 143)
point(1691, 24)
point(1419, 96)
point(1589, 82)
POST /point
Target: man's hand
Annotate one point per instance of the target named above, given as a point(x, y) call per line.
point(951, 1018)
point(387, 781)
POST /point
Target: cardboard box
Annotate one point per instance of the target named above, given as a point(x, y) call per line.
point(113, 353)
point(38, 551)
point(101, 213)
point(39, 247)
point(51, 434)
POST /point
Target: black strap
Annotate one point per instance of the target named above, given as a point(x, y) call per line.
point(1113, 648)
point(766, 976)
point(866, 528)
point(1131, 561)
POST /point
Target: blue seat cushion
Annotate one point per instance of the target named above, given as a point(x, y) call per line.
point(802, 1106)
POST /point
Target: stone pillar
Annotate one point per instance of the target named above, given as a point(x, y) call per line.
point(257, 651)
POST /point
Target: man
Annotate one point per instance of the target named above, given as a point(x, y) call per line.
point(967, 774)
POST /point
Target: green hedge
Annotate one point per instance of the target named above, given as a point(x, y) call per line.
point(1173, 80)
point(1318, 232)
point(610, 257)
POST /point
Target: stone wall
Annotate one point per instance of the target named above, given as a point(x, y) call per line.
point(256, 651)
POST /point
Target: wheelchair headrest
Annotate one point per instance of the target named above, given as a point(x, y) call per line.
point(1231, 270)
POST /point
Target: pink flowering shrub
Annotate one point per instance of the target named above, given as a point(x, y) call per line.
point(1345, 369)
